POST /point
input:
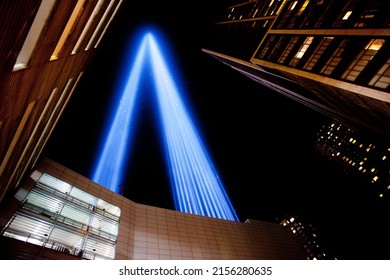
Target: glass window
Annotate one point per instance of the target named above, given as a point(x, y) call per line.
point(68, 29)
point(106, 25)
point(61, 222)
point(69, 239)
point(108, 208)
point(54, 183)
point(34, 34)
point(98, 249)
point(83, 196)
point(28, 229)
point(325, 42)
point(334, 59)
point(88, 25)
point(361, 61)
point(101, 223)
point(76, 213)
point(44, 201)
point(302, 51)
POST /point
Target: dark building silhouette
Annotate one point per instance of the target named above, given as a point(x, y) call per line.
point(306, 236)
point(360, 156)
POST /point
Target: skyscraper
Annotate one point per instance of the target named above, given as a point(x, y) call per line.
point(332, 56)
point(356, 154)
point(46, 46)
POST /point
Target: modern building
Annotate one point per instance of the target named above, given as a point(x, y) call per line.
point(46, 46)
point(357, 155)
point(59, 214)
point(332, 56)
point(305, 235)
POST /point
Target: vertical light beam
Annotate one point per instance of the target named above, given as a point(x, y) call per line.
point(197, 189)
point(109, 169)
point(195, 184)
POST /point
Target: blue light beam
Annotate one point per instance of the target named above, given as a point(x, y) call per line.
point(111, 163)
point(197, 188)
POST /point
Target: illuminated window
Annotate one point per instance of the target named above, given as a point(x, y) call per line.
point(61, 217)
point(363, 59)
point(88, 25)
point(335, 59)
point(325, 42)
point(103, 28)
point(68, 29)
point(302, 51)
point(292, 5)
point(347, 15)
point(33, 36)
point(303, 7)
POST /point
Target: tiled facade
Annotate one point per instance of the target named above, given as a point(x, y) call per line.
point(148, 232)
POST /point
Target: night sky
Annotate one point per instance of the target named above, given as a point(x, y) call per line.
point(261, 143)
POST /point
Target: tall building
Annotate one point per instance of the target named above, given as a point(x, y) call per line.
point(332, 56)
point(46, 46)
point(305, 235)
point(358, 155)
point(59, 214)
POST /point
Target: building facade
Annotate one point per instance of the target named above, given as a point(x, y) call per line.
point(46, 46)
point(59, 214)
point(357, 155)
point(305, 235)
point(332, 56)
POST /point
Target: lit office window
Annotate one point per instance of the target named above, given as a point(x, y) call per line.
point(61, 217)
point(68, 29)
point(24, 57)
point(361, 61)
point(347, 15)
point(102, 28)
point(334, 59)
point(325, 42)
point(292, 5)
point(303, 7)
point(302, 51)
point(88, 25)
point(382, 77)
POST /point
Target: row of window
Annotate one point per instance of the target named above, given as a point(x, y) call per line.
point(340, 58)
point(313, 13)
point(62, 217)
point(356, 153)
point(42, 18)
